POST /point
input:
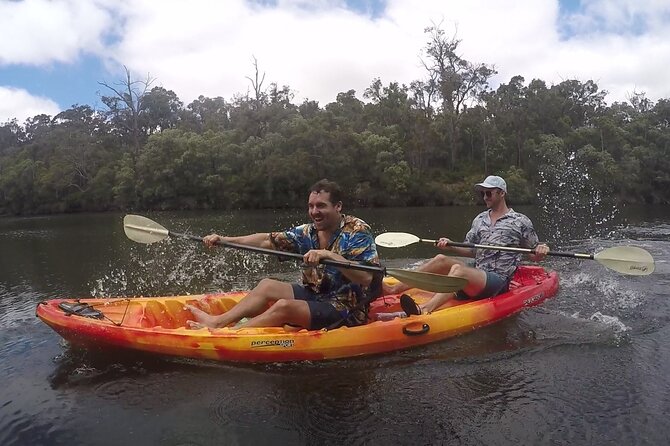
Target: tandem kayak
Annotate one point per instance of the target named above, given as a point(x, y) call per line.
point(158, 325)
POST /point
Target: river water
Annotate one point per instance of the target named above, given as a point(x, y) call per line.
point(589, 366)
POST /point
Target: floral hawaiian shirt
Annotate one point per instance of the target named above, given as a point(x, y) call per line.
point(353, 241)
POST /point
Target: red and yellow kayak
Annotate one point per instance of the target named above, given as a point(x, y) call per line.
point(158, 325)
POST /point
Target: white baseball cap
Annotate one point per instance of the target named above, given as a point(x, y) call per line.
point(491, 182)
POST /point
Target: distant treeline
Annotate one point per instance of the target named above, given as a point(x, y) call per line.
point(425, 143)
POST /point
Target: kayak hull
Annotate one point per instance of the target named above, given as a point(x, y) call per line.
point(158, 325)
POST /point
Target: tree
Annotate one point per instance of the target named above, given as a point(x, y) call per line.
point(206, 114)
point(11, 135)
point(259, 97)
point(582, 101)
point(37, 126)
point(159, 110)
point(460, 83)
point(76, 135)
point(390, 105)
point(509, 108)
point(347, 112)
point(125, 106)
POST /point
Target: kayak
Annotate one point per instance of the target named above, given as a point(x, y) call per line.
point(158, 324)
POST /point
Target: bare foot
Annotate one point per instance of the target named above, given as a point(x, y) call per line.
point(193, 325)
point(202, 319)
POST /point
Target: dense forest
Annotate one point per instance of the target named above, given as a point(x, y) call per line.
point(425, 143)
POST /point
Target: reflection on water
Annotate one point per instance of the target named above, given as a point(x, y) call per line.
point(587, 367)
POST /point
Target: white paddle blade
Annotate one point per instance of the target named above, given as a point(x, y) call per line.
point(629, 260)
point(396, 239)
point(436, 283)
point(143, 230)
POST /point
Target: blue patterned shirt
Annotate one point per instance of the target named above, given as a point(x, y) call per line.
point(353, 240)
point(512, 229)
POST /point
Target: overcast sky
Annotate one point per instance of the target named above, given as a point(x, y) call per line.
point(54, 52)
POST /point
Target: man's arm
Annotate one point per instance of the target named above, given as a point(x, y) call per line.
point(531, 240)
point(541, 251)
point(360, 248)
point(362, 278)
point(260, 240)
point(443, 243)
point(470, 237)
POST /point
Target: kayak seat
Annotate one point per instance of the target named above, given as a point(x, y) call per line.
point(167, 314)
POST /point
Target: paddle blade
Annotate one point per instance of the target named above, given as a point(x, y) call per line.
point(627, 260)
point(428, 281)
point(143, 230)
point(396, 239)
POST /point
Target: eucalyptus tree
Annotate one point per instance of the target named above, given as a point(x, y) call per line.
point(653, 150)
point(37, 127)
point(347, 112)
point(460, 84)
point(12, 135)
point(509, 108)
point(124, 107)
point(206, 114)
point(479, 133)
point(390, 105)
point(255, 112)
point(79, 138)
point(581, 101)
point(160, 110)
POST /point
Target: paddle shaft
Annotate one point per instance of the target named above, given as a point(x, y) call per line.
point(143, 230)
point(349, 265)
point(514, 249)
point(630, 260)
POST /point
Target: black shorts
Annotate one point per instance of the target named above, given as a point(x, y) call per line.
point(495, 284)
point(322, 313)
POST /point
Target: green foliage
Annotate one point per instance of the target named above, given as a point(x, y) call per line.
point(423, 144)
point(519, 189)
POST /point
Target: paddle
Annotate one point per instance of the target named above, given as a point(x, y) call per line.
point(622, 259)
point(143, 230)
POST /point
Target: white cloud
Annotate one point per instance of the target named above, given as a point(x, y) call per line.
point(207, 47)
point(621, 16)
point(319, 52)
point(19, 104)
point(322, 48)
point(40, 32)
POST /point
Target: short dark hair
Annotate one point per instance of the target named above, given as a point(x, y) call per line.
point(331, 187)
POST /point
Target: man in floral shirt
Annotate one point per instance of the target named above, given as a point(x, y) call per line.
point(327, 294)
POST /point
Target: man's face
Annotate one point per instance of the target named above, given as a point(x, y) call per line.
point(324, 214)
point(491, 196)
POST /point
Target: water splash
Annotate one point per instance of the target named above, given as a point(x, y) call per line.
point(177, 268)
point(611, 321)
point(572, 205)
point(603, 291)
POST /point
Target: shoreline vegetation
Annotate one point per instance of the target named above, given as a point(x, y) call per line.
point(422, 144)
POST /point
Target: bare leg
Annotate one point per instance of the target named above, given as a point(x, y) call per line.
point(476, 282)
point(284, 311)
point(440, 264)
point(202, 319)
point(252, 304)
point(436, 301)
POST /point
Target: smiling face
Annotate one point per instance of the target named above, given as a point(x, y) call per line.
point(325, 215)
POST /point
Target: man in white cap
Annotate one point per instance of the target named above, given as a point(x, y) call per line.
point(493, 269)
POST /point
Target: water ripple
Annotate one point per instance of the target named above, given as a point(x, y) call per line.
point(235, 407)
